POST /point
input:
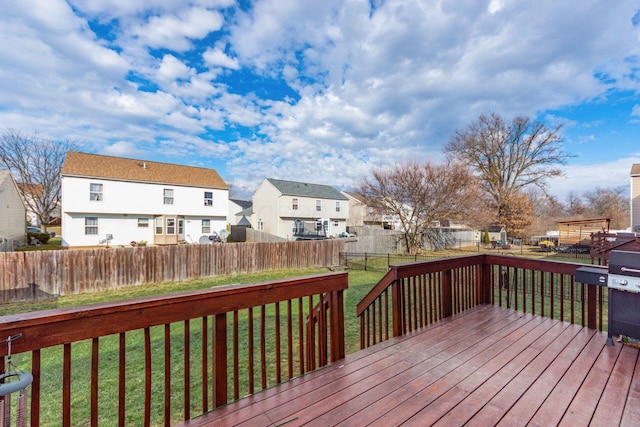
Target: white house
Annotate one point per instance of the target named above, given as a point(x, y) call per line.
point(116, 201)
point(238, 209)
point(13, 213)
point(295, 210)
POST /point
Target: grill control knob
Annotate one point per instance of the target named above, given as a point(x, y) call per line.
point(623, 282)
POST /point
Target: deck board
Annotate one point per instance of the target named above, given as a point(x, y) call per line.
point(486, 366)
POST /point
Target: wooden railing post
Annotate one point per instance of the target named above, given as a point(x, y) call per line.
point(591, 307)
point(337, 326)
point(397, 308)
point(486, 285)
point(220, 359)
point(446, 293)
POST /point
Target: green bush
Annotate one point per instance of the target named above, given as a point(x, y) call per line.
point(43, 237)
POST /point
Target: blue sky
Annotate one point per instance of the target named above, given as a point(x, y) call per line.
point(322, 91)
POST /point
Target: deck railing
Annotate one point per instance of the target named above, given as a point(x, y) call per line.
point(414, 295)
point(193, 351)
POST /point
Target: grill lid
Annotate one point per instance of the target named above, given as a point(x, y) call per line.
point(624, 263)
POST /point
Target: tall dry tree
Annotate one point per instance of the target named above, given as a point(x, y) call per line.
point(36, 163)
point(508, 156)
point(419, 193)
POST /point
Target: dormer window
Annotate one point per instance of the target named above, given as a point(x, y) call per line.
point(95, 192)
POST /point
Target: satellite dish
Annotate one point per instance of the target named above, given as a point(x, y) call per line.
point(224, 233)
point(204, 240)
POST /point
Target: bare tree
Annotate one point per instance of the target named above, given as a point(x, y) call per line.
point(508, 156)
point(612, 203)
point(36, 163)
point(548, 211)
point(575, 207)
point(419, 193)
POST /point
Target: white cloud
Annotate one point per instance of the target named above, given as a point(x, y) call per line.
point(172, 69)
point(123, 149)
point(635, 111)
point(177, 32)
point(217, 58)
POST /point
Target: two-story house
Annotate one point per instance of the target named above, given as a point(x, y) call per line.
point(13, 212)
point(294, 210)
point(117, 201)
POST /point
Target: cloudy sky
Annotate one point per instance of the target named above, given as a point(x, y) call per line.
point(320, 90)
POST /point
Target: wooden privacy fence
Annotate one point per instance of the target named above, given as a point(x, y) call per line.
point(46, 274)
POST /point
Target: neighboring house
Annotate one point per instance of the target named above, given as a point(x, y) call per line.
point(116, 201)
point(13, 213)
point(635, 198)
point(237, 211)
point(361, 215)
point(294, 210)
point(497, 233)
point(32, 193)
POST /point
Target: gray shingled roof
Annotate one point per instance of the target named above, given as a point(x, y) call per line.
point(303, 189)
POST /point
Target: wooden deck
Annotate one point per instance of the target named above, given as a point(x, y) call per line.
point(487, 366)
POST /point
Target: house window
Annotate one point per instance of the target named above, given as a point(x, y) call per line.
point(91, 225)
point(143, 222)
point(206, 226)
point(208, 198)
point(318, 205)
point(294, 204)
point(168, 196)
point(171, 226)
point(336, 223)
point(159, 225)
point(95, 192)
point(337, 206)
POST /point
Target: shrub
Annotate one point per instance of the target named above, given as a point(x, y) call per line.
point(42, 237)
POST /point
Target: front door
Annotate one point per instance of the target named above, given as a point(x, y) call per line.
point(180, 229)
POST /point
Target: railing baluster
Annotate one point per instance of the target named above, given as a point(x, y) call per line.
point(204, 371)
point(289, 340)
point(167, 375)
point(187, 369)
point(250, 349)
point(147, 377)
point(236, 356)
point(278, 345)
point(220, 377)
point(66, 386)
point(301, 335)
point(94, 381)
point(263, 347)
point(36, 360)
point(552, 292)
